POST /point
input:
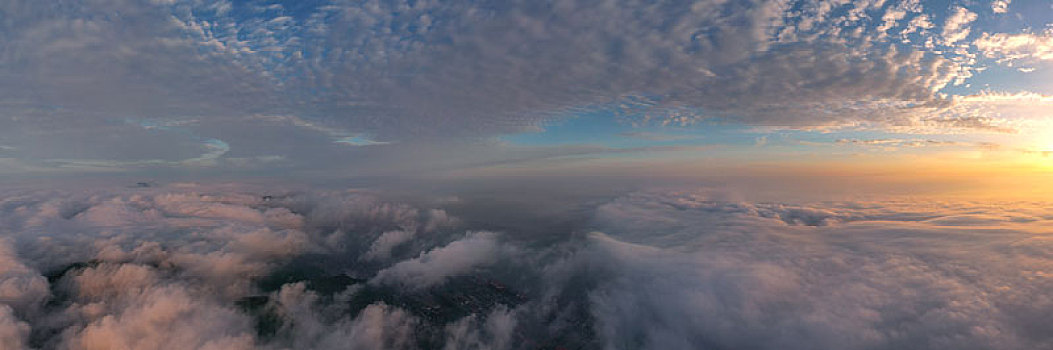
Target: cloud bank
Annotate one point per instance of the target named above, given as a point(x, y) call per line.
point(222, 267)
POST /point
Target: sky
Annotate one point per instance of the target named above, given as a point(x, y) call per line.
point(309, 89)
point(575, 174)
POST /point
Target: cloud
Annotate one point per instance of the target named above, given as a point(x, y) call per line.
point(21, 289)
point(166, 318)
point(1026, 47)
point(894, 143)
point(381, 248)
point(493, 331)
point(433, 267)
point(241, 86)
point(694, 271)
point(652, 136)
point(222, 266)
point(956, 28)
point(162, 267)
point(13, 332)
point(1000, 6)
point(377, 326)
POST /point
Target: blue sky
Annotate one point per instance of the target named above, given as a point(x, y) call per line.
point(390, 87)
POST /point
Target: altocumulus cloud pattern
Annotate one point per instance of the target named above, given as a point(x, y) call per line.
point(526, 174)
point(186, 266)
point(220, 84)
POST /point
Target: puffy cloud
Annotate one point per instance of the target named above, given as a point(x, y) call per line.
point(381, 248)
point(378, 326)
point(956, 28)
point(196, 84)
point(163, 267)
point(21, 288)
point(709, 272)
point(1000, 6)
point(212, 266)
point(1016, 47)
point(13, 332)
point(433, 267)
point(494, 331)
point(165, 318)
point(673, 62)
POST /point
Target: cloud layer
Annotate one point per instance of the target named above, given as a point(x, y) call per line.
point(221, 267)
point(241, 85)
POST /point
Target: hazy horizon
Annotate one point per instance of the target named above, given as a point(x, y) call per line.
point(526, 174)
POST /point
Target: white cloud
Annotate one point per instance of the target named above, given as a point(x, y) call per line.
point(956, 28)
point(381, 248)
point(433, 267)
point(1000, 6)
point(1016, 47)
point(425, 71)
point(165, 266)
point(694, 271)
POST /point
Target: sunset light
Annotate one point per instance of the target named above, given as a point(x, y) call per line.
point(526, 174)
